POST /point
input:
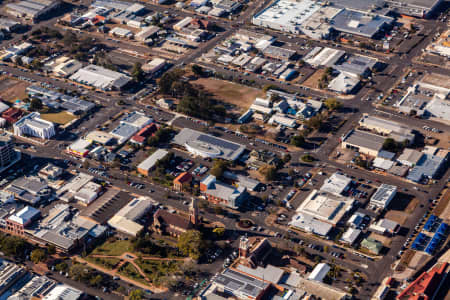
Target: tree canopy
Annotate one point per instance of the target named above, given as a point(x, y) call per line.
point(191, 243)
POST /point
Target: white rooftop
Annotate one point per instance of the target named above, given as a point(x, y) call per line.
point(336, 184)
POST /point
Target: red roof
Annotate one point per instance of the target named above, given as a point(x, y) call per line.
point(148, 130)
point(183, 178)
point(12, 114)
point(425, 285)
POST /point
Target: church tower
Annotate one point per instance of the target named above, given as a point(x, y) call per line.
point(193, 212)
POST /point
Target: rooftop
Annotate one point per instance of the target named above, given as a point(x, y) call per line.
point(63, 292)
point(100, 77)
point(206, 145)
point(359, 23)
point(150, 161)
point(326, 207)
point(336, 184)
point(240, 283)
point(356, 64)
point(384, 193)
point(364, 139)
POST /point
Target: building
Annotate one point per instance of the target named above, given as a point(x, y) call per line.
point(392, 129)
point(336, 184)
point(428, 167)
point(415, 8)
point(36, 287)
point(101, 78)
point(441, 46)
point(141, 136)
point(239, 285)
point(308, 223)
point(360, 23)
point(88, 193)
point(12, 114)
point(154, 66)
point(428, 284)
point(283, 120)
point(356, 220)
point(79, 148)
point(147, 33)
point(357, 65)
point(50, 172)
point(363, 142)
point(100, 137)
point(286, 15)
point(9, 25)
point(206, 145)
point(325, 207)
point(350, 236)
point(149, 163)
point(8, 156)
point(33, 125)
point(32, 9)
point(385, 227)
point(344, 83)
point(165, 222)
point(182, 24)
point(221, 193)
point(372, 245)
point(410, 157)
point(319, 272)
point(182, 181)
point(67, 67)
point(16, 223)
point(121, 32)
point(10, 273)
point(383, 196)
point(165, 103)
point(64, 292)
point(126, 219)
point(29, 189)
point(68, 191)
point(323, 56)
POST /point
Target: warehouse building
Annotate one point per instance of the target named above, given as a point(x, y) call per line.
point(206, 145)
point(363, 142)
point(32, 9)
point(395, 130)
point(416, 8)
point(286, 15)
point(101, 78)
point(360, 23)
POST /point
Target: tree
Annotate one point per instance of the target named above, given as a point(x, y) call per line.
point(51, 249)
point(390, 144)
point(219, 231)
point(137, 73)
point(316, 121)
point(36, 104)
point(307, 158)
point(269, 172)
point(136, 295)
point(197, 70)
point(191, 243)
point(270, 87)
point(219, 167)
point(298, 140)
point(333, 104)
point(61, 267)
point(38, 255)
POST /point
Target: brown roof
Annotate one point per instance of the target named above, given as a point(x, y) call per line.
point(165, 217)
point(183, 177)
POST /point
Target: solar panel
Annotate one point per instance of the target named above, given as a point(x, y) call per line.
point(218, 142)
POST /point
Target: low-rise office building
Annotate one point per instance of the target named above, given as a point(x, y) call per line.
point(383, 196)
point(33, 125)
point(221, 193)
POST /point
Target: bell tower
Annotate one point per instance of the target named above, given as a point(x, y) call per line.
point(193, 212)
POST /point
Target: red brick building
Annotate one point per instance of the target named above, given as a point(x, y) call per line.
point(182, 181)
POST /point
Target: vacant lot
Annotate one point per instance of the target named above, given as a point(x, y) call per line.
point(386, 241)
point(233, 93)
point(397, 216)
point(313, 80)
point(11, 90)
point(61, 118)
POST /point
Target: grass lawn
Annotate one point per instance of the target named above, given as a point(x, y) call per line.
point(62, 117)
point(106, 262)
point(115, 248)
point(155, 270)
